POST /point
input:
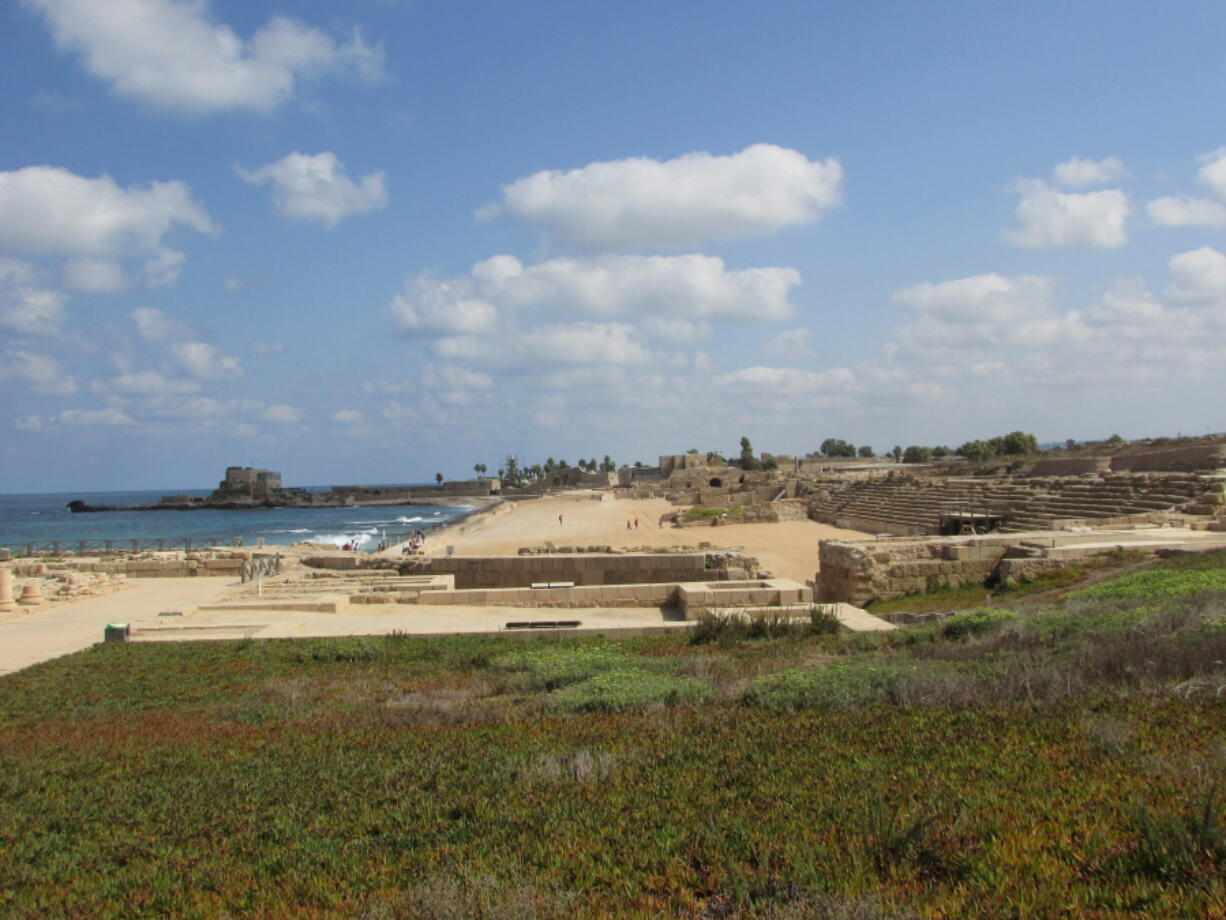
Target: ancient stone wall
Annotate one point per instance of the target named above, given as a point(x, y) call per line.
point(858, 573)
point(582, 569)
point(1179, 459)
point(1070, 466)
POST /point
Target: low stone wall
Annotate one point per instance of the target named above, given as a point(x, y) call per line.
point(582, 569)
point(171, 565)
point(788, 509)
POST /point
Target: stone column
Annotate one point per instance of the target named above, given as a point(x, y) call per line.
point(6, 590)
point(31, 595)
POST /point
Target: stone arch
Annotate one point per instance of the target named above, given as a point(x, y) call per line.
point(716, 482)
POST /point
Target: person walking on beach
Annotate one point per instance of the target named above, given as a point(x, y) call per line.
point(627, 525)
point(636, 523)
point(559, 520)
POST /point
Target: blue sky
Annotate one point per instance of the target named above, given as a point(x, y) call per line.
point(369, 242)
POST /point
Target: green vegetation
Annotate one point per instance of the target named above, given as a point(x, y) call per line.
point(704, 513)
point(1063, 759)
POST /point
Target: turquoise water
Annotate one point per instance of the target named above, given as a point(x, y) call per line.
point(41, 518)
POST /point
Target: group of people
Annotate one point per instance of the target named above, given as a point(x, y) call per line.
point(416, 542)
point(635, 522)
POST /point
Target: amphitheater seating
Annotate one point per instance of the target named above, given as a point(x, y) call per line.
point(913, 504)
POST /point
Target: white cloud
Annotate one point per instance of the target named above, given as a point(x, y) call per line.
point(692, 286)
point(173, 55)
point(94, 418)
point(25, 307)
point(94, 275)
point(1198, 278)
point(348, 417)
point(281, 414)
point(41, 373)
point(449, 376)
point(984, 311)
point(1051, 219)
point(156, 326)
point(789, 381)
point(561, 344)
point(316, 188)
point(790, 344)
point(676, 329)
point(1079, 173)
point(146, 383)
point(45, 210)
point(1187, 212)
point(204, 362)
point(1196, 212)
point(641, 203)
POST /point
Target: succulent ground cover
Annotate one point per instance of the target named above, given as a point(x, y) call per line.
point(1063, 759)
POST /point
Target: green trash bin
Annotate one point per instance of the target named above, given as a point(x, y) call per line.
point(116, 632)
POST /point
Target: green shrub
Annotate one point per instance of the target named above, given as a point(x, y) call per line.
point(702, 513)
point(728, 627)
point(629, 688)
point(975, 622)
point(345, 648)
point(831, 686)
point(553, 666)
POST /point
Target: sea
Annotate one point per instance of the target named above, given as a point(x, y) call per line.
point(43, 518)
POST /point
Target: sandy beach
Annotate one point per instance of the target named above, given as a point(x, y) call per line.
point(788, 549)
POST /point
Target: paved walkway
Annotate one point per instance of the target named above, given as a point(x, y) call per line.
point(33, 637)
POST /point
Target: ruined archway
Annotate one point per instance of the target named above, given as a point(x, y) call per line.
point(716, 483)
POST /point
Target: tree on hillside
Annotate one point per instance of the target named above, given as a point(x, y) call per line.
point(940, 452)
point(865, 451)
point(1019, 442)
point(769, 461)
point(438, 477)
point(608, 466)
point(835, 447)
point(748, 460)
point(916, 454)
point(897, 452)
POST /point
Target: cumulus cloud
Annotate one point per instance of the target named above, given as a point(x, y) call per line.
point(26, 307)
point(306, 187)
point(42, 373)
point(95, 276)
point(1187, 212)
point(789, 381)
point(1196, 212)
point(156, 325)
point(1051, 219)
point(108, 418)
point(204, 361)
point(559, 344)
point(45, 210)
point(173, 55)
point(348, 417)
point(1080, 173)
point(790, 344)
point(1198, 278)
point(691, 286)
point(281, 414)
point(641, 203)
point(145, 383)
point(984, 311)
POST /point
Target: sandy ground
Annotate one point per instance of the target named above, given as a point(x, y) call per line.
point(582, 519)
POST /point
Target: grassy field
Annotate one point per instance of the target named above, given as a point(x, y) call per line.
point(1065, 759)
